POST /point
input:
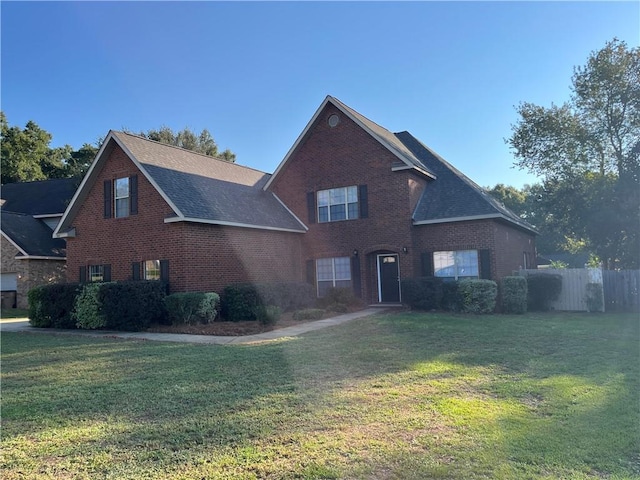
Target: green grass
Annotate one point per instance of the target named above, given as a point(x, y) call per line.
point(406, 396)
point(14, 313)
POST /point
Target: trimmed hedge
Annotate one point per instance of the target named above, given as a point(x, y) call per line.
point(422, 293)
point(451, 300)
point(514, 294)
point(87, 312)
point(478, 296)
point(51, 306)
point(243, 301)
point(192, 307)
point(543, 289)
point(338, 300)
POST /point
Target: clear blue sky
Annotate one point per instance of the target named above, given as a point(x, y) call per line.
point(253, 74)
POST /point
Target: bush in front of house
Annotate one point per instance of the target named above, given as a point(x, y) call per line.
point(192, 307)
point(239, 302)
point(51, 306)
point(543, 289)
point(267, 315)
point(422, 293)
point(594, 297)
point(451, 300)
point(478, 296)
point(309, 314)
point(288, 296)
point(87, 312)
point(514, 294)
point(338, 300)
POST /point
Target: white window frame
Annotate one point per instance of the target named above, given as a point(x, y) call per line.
point(336, 274)
point(96, 273)
point(120, 199)
point(326, 199)
point(151, 269)
point(455, 259)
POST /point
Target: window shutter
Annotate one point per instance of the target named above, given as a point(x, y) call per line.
point(164, 270)
point(426, 259)
point(108, 189)
point(106, 269)
point(355, 276)
point(311, 272)
point(311, 206)
point(83, 274)
point(133, 194)
point(135, 270)
point(485, 264)
point(363, 200)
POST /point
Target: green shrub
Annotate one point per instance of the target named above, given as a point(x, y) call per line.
point(422, 293)
point(52, 305)
point(542, 290)
point(451, 300)
point(309, 314)
point(339, 300)
point(88, 312)
point(239, 302)
point(514, 294)
point(288, 296)
point(478, 296)
point(268, 315)
point(132, 306)
point(595, 297)
point(192, 307)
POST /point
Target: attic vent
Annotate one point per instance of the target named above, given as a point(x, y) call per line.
point(334, 120)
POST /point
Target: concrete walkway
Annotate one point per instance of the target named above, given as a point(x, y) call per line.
point(22, 325)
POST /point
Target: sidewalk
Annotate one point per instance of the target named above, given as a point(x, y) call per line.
point(22, 325)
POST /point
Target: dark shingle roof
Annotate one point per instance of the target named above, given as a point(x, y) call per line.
point(31, 235)
point(453, 195)
point(46, 197)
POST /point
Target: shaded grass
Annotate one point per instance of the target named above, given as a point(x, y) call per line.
point(400, 396)
point(14, 313)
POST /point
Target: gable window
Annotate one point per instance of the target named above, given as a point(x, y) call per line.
point(333, 272)
point(338, 204)
point(151, 270)
point(121, 195)
point(456, 265)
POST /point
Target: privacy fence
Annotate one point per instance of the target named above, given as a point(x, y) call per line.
point(620, 288)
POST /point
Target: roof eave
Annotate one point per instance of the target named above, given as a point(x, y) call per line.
point(231, 224)
point(489, 216)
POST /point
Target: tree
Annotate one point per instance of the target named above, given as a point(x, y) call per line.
point(185, 138)
point(588, 153)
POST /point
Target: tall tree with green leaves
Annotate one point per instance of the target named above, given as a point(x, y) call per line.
point(185, 138)
point(588, 153)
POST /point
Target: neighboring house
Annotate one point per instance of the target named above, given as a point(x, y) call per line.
point(351, 205)
point(30, 254)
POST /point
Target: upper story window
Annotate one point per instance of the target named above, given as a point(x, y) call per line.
point(121, 195)
point(338, 204)
point(456, 265)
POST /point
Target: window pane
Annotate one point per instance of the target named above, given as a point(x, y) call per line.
point(122, 187)
point(353, 211)
point(343, 268)
point(338, 195)
point(323, 287)
point(444, 264)
point(343, 283)
point(323, 198)
point(96, 273)
point(323, 214)
point(324, 269)
point(352, 194)
point(338, 212)
point(152, 270)
point(467, 263)
point(122, 207)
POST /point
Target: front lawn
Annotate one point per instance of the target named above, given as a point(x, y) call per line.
point(388, 397)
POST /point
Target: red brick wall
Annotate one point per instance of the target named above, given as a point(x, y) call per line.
point(201, 257)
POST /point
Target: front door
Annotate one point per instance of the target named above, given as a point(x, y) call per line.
point(388, 279)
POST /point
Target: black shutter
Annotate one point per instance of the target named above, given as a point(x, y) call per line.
point(363, 200)
point(355, 276)
point(311, 272)
point(311, 206)
point(484, 256)
point(83, 274)
point(133, 194)
point(106, 273)
point(107, 198)
point(426, 259)
point(164, 270)
point(135, 270)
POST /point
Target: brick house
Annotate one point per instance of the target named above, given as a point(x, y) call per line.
point(30, 254)
point(351, 205)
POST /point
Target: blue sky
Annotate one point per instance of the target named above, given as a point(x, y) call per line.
point(253, 74)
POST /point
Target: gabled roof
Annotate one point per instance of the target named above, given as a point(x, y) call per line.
point(407, 159)
point(453, 196)
point(197, 187)
point(32, 237)
point(42, 198)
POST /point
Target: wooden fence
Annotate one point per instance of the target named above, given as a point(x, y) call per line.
point(621, 290)
point(573, 296)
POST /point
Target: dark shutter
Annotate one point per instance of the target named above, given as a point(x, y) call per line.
point(355, 276)
point(363, 200)
point(135, 270)
point(133, 194)
point(484, 256)
point(426, 267)
point(107, 198)
point(106, 273)
point(311, 206)
point(164, 270)
point(82, 278)
point(311, 272)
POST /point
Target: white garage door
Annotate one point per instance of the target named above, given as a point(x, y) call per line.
point(8, 282)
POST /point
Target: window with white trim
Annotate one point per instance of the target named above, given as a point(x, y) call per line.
point(338, 204)
point(456, 265)
point(151, 270)
point(333, 272)
point(96, 273)
point(121, 196)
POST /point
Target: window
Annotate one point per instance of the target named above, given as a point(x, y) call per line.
point(338, 204)
point(121, 190)
point(456, 265)
point(151, 269)
point(333, 272)
point(96, 273)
